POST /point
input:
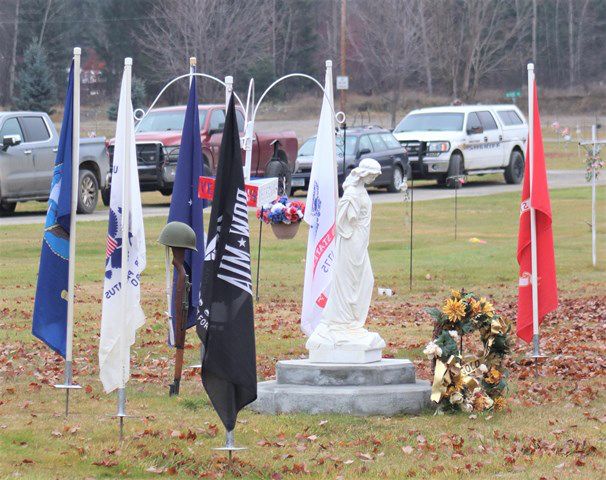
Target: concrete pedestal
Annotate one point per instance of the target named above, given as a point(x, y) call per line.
point(387, 387)
point(343, 355)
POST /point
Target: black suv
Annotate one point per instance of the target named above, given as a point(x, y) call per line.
point(360, 142)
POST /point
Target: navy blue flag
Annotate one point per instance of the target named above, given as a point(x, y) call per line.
point(186, 207)
point(50, 307)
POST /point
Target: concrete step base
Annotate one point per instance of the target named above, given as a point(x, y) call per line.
point(407, 398)
point(387, 371)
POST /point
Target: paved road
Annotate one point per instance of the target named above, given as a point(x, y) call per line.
point(556, 178)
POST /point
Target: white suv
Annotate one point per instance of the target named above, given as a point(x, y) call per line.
point(444, 142)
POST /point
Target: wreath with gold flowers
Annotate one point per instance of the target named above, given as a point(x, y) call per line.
point(470, 383)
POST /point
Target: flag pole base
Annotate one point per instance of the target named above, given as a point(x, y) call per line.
point(537, 358)
point(230, 446)
point(121, 414)
point(67, 385)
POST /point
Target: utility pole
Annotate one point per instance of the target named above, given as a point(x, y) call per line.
point(342, 93)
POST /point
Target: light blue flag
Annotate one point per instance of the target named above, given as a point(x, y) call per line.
point(50, 307)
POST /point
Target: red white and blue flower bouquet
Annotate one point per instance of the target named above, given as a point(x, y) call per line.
point(283, 215)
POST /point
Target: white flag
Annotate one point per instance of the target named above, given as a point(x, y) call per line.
point(122, 316)
point(320, 214)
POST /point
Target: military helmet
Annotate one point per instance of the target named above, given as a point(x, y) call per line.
point(178, 234)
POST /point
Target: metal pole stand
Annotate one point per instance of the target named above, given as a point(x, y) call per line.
point(230, 445)
point(412, 203)
point(68, 385)
point(121, 415)
point(199, 365)
point(536, 355)
point(259, 254)
point(457, 182)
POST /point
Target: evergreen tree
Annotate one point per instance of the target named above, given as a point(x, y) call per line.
point(37, 89)
point(138, 97)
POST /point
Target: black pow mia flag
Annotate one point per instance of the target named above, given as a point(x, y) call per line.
point(226, 319)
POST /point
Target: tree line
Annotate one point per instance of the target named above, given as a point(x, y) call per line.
point(447, 47)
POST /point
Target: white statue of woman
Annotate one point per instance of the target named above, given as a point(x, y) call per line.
point(341, 331)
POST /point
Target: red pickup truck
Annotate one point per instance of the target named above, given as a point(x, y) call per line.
point(159, 137)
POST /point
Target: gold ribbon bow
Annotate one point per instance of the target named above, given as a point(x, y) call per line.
point(498, 326)
point(446, 373)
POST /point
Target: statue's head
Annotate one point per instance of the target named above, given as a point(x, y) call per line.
point(366, 172)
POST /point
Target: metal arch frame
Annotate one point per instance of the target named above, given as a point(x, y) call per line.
point(174, 80)
point(294, 75)
point(251, 116)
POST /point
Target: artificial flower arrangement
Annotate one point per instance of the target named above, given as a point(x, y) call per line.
point(283, 215)
point(475, 385)
point(593, 162)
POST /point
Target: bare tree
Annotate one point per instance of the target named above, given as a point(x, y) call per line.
point(571, 69)
point(222, 34)
point(492, 32)
point(584, 24)
point(44, 20)
point(385, 44)
point(11, 80)
point(425, 42)
point(534, 31)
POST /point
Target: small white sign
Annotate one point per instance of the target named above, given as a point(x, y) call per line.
point(342, 83)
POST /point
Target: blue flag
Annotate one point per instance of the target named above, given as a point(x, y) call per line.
point(186, 207)
point(50, 307)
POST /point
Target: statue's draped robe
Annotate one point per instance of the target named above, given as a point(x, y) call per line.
point(343, 318)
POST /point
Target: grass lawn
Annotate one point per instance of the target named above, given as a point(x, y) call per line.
point(552, 428)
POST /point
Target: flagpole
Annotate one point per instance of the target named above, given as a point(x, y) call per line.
point(69, 336)
point(594, 139)
point(249, 129)
point(128, 62)
point(412, 203)
point(192, 69)
point(229, 88)
point(533, 223)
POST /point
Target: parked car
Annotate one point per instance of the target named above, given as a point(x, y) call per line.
point(360, 142)
point(159, 137)
point(465, 140)
point(27, 159)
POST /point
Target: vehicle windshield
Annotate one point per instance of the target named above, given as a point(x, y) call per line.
point(431, 122)
point(307, 149)
point(163, 121)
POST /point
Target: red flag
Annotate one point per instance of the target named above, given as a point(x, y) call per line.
point(546, 272)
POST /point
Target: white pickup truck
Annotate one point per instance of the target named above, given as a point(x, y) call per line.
point(445, 142)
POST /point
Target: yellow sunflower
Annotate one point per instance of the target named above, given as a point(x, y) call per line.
point(493, 376)
point(500, 403)
point(455, 309)
point(456, 294)
point(479, 403)
point(487, 308)
point(476, 307)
